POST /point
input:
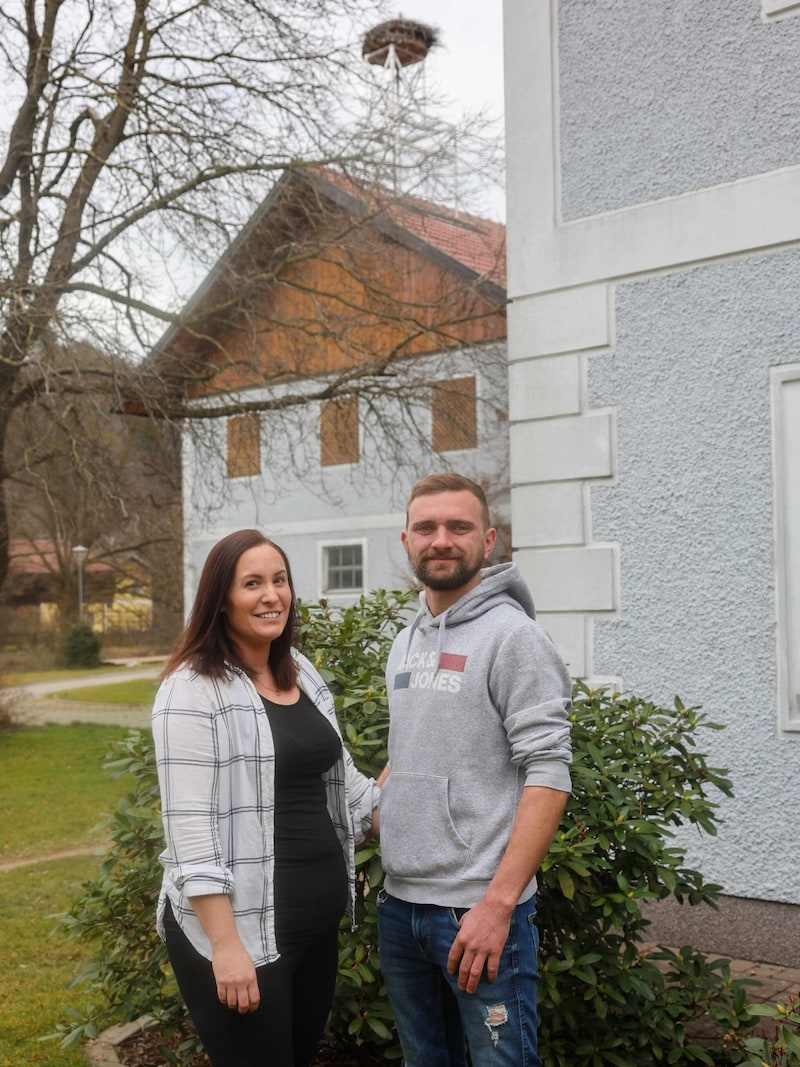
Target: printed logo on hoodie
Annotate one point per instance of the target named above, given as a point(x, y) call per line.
point(418, 670)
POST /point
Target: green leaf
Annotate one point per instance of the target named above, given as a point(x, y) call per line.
point(566, 883)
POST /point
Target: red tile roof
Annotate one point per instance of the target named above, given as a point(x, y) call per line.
point(41, 557)
point(475, 242)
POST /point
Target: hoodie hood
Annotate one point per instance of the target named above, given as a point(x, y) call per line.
point(500, 584)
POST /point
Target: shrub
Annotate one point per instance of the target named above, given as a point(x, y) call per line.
point(83, 647)
point(349, 647)
point(129, 976)
point(784, 1050)
point(637, 775)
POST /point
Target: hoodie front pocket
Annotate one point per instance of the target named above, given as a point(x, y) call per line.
point(418, 836)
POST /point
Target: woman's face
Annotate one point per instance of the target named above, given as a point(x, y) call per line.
point(259, 598)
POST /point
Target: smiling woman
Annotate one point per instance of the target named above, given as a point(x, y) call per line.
point(258, 793)
point(257, 609)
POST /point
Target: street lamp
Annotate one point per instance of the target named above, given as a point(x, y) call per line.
point(80, 552)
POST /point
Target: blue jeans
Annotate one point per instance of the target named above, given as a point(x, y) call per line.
point(435, 1019)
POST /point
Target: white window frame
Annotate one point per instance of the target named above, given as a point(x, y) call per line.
point(772, 10)
point(785, 396)
point(345, 542)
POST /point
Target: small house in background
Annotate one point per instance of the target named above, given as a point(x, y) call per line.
point(351, 340)
point(653, 180)
point(42, 595)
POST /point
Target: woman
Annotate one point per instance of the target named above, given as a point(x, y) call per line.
point(261, 807)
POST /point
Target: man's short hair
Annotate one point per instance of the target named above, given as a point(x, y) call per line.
point(449, 483)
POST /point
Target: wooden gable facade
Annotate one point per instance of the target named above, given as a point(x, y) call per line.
point(327, 278)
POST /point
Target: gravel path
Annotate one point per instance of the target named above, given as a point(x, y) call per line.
point(29, 861)
point(36, 705)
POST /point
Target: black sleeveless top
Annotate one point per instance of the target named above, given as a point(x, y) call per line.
point(306, 745)
point(310, 870)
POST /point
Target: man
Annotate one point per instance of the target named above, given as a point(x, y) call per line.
point(473, 792)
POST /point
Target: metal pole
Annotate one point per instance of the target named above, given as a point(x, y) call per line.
point(80, 590)
point(80, 553)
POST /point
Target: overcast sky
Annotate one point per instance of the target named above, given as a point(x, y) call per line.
point(468, 63)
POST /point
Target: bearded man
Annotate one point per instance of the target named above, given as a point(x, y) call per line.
point(475, 785)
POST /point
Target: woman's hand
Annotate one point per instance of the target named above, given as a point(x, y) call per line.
point(234, 970)
point(237, 985)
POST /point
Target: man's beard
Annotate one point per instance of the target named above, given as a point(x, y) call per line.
point(463, 572)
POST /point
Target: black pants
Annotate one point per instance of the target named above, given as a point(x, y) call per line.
point(296, 994)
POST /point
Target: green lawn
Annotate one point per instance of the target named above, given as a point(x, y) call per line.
point(14, 678)
point(136, 691)
point(54, 788)
point(36, 964)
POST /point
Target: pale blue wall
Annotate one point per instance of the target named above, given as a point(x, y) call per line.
point(693, 516)
point(659, 97)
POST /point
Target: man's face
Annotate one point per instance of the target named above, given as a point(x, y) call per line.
point(446, 540)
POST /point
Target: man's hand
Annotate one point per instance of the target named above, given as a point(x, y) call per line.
point(479, 944)
point(484, 928)
point(237, 985)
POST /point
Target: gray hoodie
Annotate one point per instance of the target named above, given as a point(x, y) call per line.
point(478, 700)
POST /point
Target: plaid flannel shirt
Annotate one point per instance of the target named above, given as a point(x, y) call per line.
point(216, 770)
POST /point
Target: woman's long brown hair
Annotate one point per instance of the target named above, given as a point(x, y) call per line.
point(204, 644)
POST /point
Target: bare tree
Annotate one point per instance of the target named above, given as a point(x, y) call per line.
point(141, 137)
point(81, 474)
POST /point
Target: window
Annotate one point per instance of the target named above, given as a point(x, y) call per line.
point(786, 452)
point(244, 445)
point(454, 423)
point(343, 568)
point(338, 431)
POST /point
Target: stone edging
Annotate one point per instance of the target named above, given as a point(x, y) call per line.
point(102, 1052)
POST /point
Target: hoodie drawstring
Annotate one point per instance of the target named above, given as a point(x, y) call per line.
point(439, 638)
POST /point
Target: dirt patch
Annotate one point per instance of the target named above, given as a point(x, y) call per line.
point(142, 1050)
